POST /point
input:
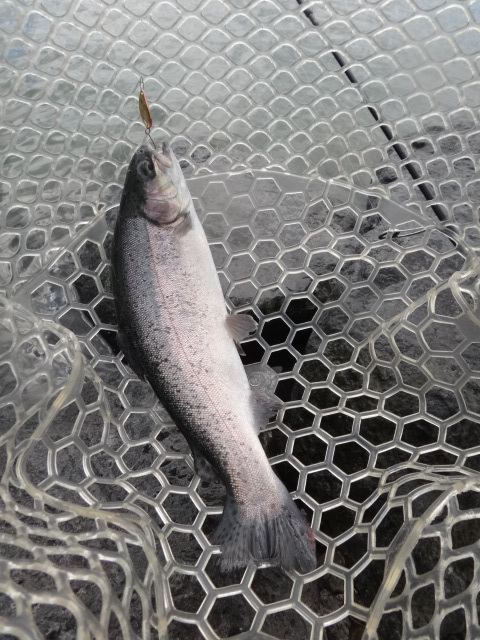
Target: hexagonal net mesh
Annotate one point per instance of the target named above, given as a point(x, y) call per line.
point(332, 154)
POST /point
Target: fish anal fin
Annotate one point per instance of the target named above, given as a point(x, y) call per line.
point(240, 326)
point(263, 408)
point(203, 468)
point(240, 349)
point(130, 355)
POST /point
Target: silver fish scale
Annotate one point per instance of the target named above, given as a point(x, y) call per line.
point(371, 342)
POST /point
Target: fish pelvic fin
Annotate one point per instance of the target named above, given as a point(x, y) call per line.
point(240, 326)
point(284, 539)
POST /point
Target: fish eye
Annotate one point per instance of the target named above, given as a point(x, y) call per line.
point(146, 169)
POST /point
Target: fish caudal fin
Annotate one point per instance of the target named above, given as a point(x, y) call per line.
point(284, 539)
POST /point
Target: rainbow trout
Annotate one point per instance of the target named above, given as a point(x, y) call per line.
point(176, 334)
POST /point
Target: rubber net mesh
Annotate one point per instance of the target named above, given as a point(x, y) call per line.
point(317, 137)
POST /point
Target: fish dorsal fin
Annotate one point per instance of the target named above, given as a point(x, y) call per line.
point(240, 326)
point(263, 407)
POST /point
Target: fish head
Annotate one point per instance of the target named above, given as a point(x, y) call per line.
point(159, 176)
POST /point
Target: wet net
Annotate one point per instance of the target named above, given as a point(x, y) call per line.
point(332, 152)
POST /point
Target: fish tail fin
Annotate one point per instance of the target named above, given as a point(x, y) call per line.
point(284, 539)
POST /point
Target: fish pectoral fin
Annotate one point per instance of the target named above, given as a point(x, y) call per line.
point(129, 354)
point(240, 326)
point(184, 227)
point(203, 468)
point(263, 407)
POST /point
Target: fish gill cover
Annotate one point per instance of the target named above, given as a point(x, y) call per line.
point(369, 337)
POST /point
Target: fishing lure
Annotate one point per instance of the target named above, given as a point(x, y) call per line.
point(145, 112)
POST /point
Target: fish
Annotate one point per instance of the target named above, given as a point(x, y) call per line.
point(176, 333)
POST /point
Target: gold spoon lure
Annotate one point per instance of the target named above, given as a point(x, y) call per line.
point(145, 112)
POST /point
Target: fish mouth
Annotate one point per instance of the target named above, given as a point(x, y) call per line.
point(163, 160)
point(168, 198)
